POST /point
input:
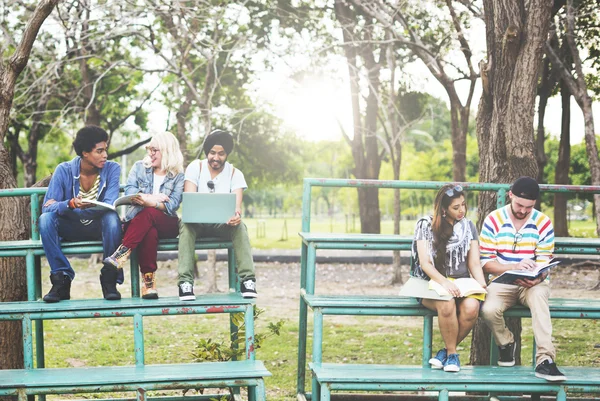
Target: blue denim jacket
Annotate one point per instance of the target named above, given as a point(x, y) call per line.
point(64, 185)
point(140, 180)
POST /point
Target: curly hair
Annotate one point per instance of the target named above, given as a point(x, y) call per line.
point(87, 138)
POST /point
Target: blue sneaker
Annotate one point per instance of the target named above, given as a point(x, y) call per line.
point(452, 363)
point(438, 361)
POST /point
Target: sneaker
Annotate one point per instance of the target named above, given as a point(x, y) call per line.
point(186, 292)
point(548, 370)
point(249, 288)
point(119, 258)
point(149, 286)
point(437, 362)
point(506, 355)
point(452, 363)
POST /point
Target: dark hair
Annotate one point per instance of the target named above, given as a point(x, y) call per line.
point(442, 230)
point(87, 138)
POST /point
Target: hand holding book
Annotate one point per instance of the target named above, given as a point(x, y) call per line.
point(517, 276)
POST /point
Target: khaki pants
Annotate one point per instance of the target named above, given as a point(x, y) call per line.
point(500, 297)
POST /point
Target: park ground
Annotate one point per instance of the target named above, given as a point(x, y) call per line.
point(352, 339)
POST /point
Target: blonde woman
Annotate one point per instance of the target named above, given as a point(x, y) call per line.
point(158, 182)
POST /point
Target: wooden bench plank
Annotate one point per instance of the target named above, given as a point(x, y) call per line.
point(574, 308)
point(167, 305)
point(168, 373)
point(367, 373)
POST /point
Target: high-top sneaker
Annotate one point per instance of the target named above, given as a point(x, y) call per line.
point(108, 280)
point(149, 286)
point(119, 258)
point(61, 288)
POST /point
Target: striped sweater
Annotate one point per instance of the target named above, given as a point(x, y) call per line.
point(499, 240)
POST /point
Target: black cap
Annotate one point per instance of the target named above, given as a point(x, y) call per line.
point(526, 187)
point(218, 137)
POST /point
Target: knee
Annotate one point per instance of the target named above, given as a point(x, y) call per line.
point(491, 311)
point(446, 309)
point(47, 222)
point(470, 309)
point(111, 222)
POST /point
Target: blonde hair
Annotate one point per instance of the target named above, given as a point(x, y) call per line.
point(172, 158)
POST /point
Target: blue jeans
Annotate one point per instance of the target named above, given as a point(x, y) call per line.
point(55, 228)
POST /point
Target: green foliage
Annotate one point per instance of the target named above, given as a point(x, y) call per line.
point(207, 350)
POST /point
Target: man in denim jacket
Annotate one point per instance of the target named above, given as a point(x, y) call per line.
point(66, 216)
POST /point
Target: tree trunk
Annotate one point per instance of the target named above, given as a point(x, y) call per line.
point(460, 126)
point(14, 221)
point(13, 279)
point(515, 37)
point(561, 176)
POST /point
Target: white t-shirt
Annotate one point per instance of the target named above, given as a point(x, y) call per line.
point(156, 183)
point(224, 182)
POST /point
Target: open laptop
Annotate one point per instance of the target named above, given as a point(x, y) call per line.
point(207, 208)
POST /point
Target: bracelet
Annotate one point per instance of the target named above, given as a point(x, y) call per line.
point(71, 203)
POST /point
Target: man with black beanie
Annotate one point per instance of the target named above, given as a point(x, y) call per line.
point(518, 237)
point(216, 174)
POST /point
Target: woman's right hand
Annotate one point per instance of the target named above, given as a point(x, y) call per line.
point(451, 288)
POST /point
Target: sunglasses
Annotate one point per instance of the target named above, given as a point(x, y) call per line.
point(453, 191)
point(518, 238)
point(211, 186)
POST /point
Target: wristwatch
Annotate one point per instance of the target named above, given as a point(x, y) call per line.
point(157, 206)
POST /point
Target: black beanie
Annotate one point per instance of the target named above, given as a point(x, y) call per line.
point(525, 187)
point(218, 137)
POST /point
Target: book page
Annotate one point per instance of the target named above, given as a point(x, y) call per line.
point(99, 205)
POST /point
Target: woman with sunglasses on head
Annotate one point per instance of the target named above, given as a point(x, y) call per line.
point(445, 247)
point(158, 182)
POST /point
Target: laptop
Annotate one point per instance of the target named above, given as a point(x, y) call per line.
point(207, 208)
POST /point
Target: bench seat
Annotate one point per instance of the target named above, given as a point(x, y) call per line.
point(21, 248)
point(404, 306)
point(134, 378)
point(562, 245)
point(516, 379)
point(91, 308)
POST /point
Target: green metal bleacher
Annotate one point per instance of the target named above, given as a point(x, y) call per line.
point(37, 379)
point(329, 377)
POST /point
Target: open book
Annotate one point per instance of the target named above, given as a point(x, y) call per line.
point(419, 288)
point(123, 200)
point(509, 276)
point(467, 286)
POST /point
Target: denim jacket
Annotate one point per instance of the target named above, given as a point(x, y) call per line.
point(64, 186)
point(140, 180)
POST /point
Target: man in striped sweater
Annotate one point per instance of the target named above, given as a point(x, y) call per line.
point(518, 237)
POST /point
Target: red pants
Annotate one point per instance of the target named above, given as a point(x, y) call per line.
point(144, 231)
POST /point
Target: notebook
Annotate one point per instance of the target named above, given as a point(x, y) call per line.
point(207, 208)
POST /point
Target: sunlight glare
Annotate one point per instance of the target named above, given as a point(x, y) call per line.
point(314, 108)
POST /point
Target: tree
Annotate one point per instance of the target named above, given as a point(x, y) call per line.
point(412, 29)
point(515, 38)
point(578, 87)
point(14, 220)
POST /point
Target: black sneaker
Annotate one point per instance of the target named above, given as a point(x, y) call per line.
point(186, 292)
point(548, 370)
point(506, 355)
point(249, 288)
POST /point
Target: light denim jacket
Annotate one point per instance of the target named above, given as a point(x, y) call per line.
point(141, 179)
point(64, 185)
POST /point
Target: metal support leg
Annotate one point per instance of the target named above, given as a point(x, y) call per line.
point(302, 329)
point(561, 395)
point(317, 356)
point(27, 343)
point(138, 339)
point(443, 396)
point(427, 340)
point(325, 393)
point(135, 274)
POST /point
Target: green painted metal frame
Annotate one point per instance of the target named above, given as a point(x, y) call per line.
point(138, 378)
point(327, 241)
point(32, 250)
